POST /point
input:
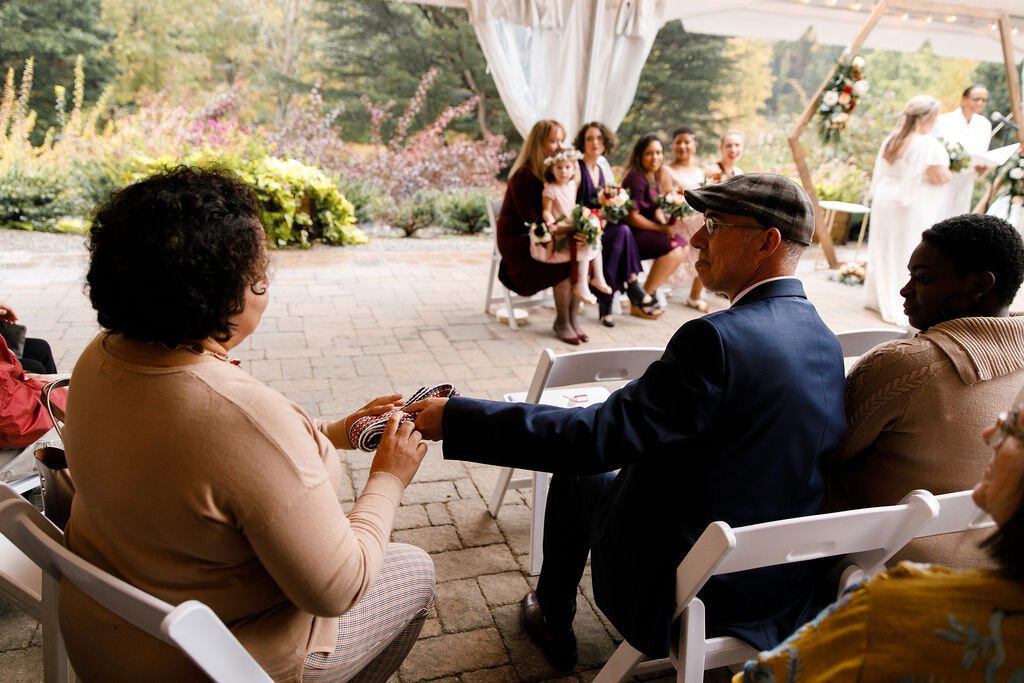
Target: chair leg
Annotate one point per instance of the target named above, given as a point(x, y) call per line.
point(540, 501)
point(490, 281)
point(511, 311)
point(690, 658)
point(500, 489)
point(55, 656)
point(618, 667)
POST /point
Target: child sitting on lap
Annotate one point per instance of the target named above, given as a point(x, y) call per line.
point(558, 200)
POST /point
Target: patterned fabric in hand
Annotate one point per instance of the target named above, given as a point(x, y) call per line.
point(366, 432)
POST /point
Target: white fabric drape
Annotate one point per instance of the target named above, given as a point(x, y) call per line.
point(568, 60)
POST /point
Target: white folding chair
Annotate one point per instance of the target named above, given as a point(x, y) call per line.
point(191, 626)
point(584, 367)
point(867, 537)
point(858, 342)
point(505, 297)
point(957, 512)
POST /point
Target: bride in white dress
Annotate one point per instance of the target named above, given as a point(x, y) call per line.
point(907, 199)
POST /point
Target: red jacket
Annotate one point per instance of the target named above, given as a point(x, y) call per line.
point(23, 417)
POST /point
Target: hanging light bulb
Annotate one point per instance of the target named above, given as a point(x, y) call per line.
point(855, 6)
point(904, 16)
point(1014, 30)
point(928, 19)
point(950, 19)
point(993, 26)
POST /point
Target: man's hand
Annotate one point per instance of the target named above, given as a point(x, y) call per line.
point(429, 413)
point(401, 450)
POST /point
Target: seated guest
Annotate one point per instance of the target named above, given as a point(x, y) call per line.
point(730, 425)
point(36, 356)
point(924, 623)
point(522, 204)
point(655, 234)
point(195, 481)
point(915, 407)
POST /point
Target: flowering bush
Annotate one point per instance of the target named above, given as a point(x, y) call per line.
point(839, 98)
point(614, 202)
point(840, 181)
point(673, 203)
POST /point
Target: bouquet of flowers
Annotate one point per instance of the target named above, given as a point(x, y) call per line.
point(673, 203)
point(614, 202)
point(850, 273)
point(959, 159)
point(1012, 175)
point(840, 97)
point(588, 222)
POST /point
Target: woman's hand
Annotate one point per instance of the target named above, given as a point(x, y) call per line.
point(401, 450)
point(7, 315)
point(377, 406)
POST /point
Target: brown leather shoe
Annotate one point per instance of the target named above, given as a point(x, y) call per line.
point(559, 646)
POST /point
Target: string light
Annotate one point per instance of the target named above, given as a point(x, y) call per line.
point(928, 19)
point(993, 26)
point(831, 3)
point(951, 18)
point(905, 16)
point(1014, 30)
point(855, 7)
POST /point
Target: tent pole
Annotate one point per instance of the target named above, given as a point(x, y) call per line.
point(595, 26)
point(824, 237)
point(1012, 82)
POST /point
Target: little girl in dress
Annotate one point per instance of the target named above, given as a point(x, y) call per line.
point(558, 200)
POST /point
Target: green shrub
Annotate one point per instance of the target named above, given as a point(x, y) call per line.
point(34, 197)
point(464, 210)
point(363, 194)
point(419, 212)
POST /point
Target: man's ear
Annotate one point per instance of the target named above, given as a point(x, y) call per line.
point(769, 241)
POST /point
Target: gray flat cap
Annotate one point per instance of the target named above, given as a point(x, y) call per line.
point(772, 200)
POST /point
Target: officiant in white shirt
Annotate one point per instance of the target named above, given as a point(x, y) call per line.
point(965, 125)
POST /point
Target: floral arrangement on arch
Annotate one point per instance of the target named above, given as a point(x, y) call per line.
point(839, 98)
point(614, 202)
point(1011, 174)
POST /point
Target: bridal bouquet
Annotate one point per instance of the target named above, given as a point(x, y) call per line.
point(614, 202)
point(673, 203)
point(959, 159)
point(839, 98)
point(588, 222)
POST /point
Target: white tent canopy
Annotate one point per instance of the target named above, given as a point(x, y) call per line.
point(580, 60)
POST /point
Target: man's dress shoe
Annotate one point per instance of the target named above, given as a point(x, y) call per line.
point(559, 645)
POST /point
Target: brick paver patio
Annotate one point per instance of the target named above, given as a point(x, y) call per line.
point(347, 324)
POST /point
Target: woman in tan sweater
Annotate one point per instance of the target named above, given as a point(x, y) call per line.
point(915, 407)
point(195, 481)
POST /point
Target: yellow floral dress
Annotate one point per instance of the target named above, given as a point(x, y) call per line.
point(913, 624)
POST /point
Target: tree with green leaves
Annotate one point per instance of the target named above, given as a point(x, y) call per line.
point(54, 33)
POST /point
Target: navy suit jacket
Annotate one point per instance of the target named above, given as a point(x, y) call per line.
point(731, 424)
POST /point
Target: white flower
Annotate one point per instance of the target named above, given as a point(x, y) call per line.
point(675, 198)
point(594, 220)
point(830, 98)
point(860, 87)
point(840, 117)
point(858, 62)
point(1017, 173)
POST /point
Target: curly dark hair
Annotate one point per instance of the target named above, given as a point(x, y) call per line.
point(976, 243)
point(171, 256)
point(682, 130)
point(610, 139)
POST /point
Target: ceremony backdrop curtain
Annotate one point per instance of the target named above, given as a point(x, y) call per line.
point(569, 60)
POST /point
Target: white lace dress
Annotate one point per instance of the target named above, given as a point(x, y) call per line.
point(904, 204)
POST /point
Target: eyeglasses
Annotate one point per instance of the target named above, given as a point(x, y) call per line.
point(711, 224)
point(1006, 425)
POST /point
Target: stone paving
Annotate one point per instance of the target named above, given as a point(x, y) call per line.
point(347, 324)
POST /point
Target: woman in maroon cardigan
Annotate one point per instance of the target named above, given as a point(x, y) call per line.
point(655, 235)
point(522, 204)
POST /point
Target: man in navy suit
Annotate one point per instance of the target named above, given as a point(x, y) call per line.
point(731, 424)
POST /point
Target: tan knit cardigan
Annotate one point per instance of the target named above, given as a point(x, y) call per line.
point(915, 410)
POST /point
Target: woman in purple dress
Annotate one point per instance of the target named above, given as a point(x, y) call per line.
point(621, 258)
point(522, 204)
point(655, 235)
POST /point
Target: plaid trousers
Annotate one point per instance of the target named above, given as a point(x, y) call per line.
point(376, 635)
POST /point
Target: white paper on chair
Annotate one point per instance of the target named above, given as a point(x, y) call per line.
point(572, 397)
point(994, 157)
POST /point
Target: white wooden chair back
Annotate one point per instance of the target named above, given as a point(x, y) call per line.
point(957, 512)
point(554, 372)
point(858, 342)
point(866, 538)
point(191, 626)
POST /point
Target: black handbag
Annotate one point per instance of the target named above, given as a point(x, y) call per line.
point(55, 479)
point(14, 335)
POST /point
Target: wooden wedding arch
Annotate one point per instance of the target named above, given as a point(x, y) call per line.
point(996, 16)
